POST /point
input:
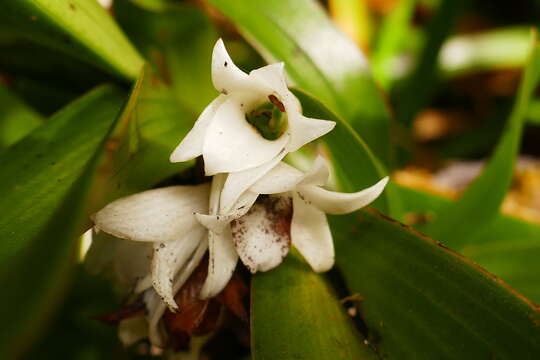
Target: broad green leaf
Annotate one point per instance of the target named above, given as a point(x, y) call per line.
point(81, 28)
point(177, 39)
point(16, 118)
point(318, 58)
point(507, 247)
point(44, 184)
point(417, 89)
point(392, 34)
point(296, 315)
point(423, 301)
point(355, 164)
point(482, 199)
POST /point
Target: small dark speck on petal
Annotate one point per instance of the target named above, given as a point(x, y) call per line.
point(225, 64)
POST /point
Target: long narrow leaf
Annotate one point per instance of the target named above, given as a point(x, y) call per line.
point(481, 201)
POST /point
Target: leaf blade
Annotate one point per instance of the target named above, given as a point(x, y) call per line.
point(310, 323)
point(448, 307)
point(47, 182)
point(64, 25)
point(482, 199)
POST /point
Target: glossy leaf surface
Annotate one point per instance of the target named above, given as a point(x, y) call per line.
point(307, 320)
point(81, 28)
point(16, 118)
point(45, 183)
point(423, 301)
point(508, 247)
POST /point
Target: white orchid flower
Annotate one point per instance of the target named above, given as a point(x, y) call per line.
point(164, 218)
point(259, 231)
point(227, 140)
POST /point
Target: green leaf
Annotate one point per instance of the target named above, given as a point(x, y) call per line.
point(507, 247)
point(45, 97)
point(295, 315)
point(423, 301)
point(75, 334)
point(16, 118)
point(482, 199)
point(53, 68)
point(347, 147)
point(45, 182)
point(415, 92)
point(318, 58)
point(81, 28)
point(392, 34)
point(158, 34)
point(151, 125)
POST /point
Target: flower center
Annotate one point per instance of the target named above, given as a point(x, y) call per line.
point(269, 119)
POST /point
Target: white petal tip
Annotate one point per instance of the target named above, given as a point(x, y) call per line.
point(208, 291)
point(382, 183)
point(214, 223)
point(323, 267)
point(180, 156)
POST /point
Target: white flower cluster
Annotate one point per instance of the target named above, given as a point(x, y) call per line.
point(256, 205)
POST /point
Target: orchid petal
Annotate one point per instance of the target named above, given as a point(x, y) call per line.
point(153, 302)
point(131, 261)
point(261, 237)
point(218, 181)
point(237, 183)
point(304, 130)
point(272, 75)
point(341, 203)
point(226, 76)
point(223, 259)
point(192, 145)
point(218, 223)
point(128, 260)
point(310, 234)
point(280, 179)
point(100, 255)
point(143, 284)
point(231, 144)
point(169, 258)
point(158, 215)
point(318, 174)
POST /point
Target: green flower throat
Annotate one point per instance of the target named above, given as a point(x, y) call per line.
point(270, 118)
